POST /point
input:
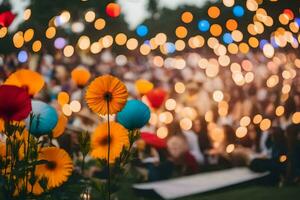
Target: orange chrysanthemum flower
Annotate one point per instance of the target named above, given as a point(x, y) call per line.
point(58, 168)
point(106, 89)
point(28, 79)
point(118, 140)
point(60, 126)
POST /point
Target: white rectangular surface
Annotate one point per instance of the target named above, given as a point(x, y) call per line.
point(195, 184)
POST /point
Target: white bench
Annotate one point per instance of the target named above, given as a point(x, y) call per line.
point(195, 184)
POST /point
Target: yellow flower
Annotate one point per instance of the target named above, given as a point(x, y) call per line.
point(106, 88)
point(28, 79)
point(118, 140)
point(58, 168)
point(60, 126)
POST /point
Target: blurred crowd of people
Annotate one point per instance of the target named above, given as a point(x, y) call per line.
point(241, 114)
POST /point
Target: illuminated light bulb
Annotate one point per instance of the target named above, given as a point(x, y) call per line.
point(145, 49)
point(235, 67)
point(107, 41)
point(228, 3)
point(65, 17)
point(3, 32)
point(165, 117)
point(36, 46)
point(233, 48)
point(99, 24)
point(231, 24)
point(286, 89)
point(203, 63)
point(28, 34)
point(179, 87)
point(213, 42)
point(253, 42)
point(247, 65)
point(245, 121)
point(213, 12)
point(95, 48)
point(216, 30)
point(252, 5)
point(27, 14)
point(284, 19)
point(230, 148)
point(181, 32)
point(68, 51)
point(265, 124)
point(269, 21)
point(160, 38)
point(272, 81)
point(180, 45)
point(209, 116)
point(213, 68)
point(77, 27)
point(90, 16)
point(241, 132)
point(84, 42)
point(186, 124)
point(257, 119)
point(18, 39)
point(153, 119)
point(121, 39)
point(237, 35)
point(75, 106)
point(249, 77)
point(187, 17)
point(132, 44)
point(66, 109)
point(296, 118)
point(282, 158)
point(244, 48)
point(294, 27)
point(224, 60)
point(170, 104)
point(279, 111)
point(162, 132)
point(218, 96)
point(50, 32)
point(258, 27)
point(251, 29)
point(158, 61)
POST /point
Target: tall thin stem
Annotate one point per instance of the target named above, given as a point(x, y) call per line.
point(108, 152)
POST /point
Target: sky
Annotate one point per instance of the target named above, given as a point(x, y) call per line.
point(135, 11)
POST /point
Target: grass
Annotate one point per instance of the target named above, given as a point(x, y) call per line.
point(243, 192)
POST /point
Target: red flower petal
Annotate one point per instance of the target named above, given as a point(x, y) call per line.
point(15, 103)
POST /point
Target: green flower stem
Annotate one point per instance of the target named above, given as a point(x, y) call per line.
point(108, 152)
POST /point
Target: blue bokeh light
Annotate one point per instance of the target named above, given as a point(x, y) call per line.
point(203, 25)
point(227, 38)
point(238, 11)
point(142, 30)
point(22, 56)
point(262, 43)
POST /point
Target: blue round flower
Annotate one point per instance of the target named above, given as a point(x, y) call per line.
point(44, 118)
point(238, 11)
point(203, 25)
point(134, 115)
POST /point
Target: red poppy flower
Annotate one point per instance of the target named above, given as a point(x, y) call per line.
point(15, 103)
point(6, 18)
